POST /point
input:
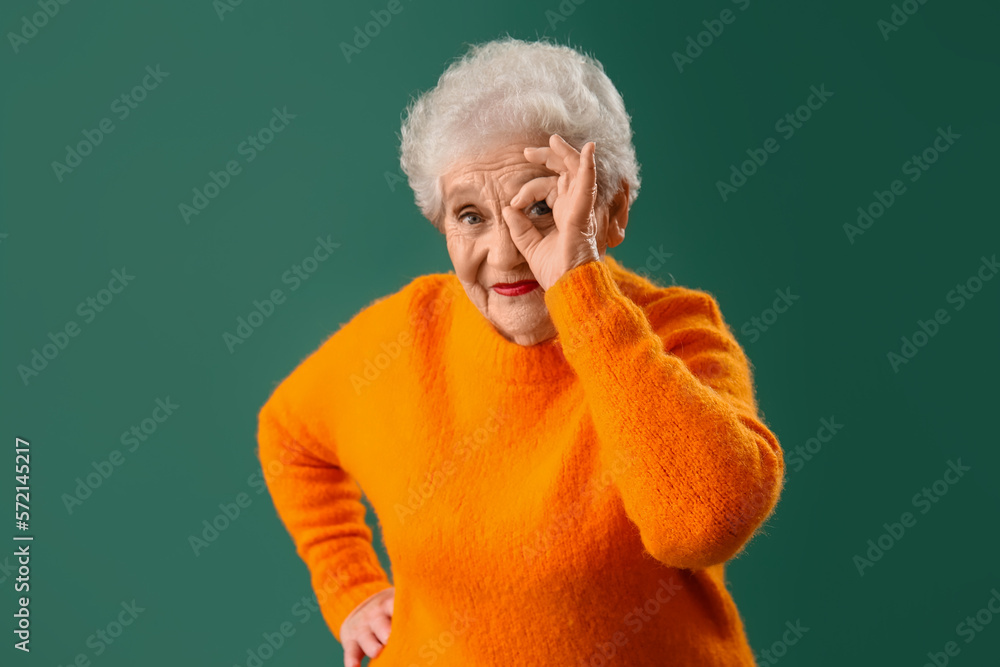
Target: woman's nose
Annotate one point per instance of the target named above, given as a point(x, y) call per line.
point(503, 250)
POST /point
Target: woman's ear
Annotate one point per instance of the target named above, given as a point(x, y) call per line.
point(618, 216)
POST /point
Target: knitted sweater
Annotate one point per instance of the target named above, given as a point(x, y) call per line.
point(567, 503)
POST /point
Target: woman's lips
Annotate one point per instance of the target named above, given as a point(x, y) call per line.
point(515, 289)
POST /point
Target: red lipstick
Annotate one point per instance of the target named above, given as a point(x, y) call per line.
point(515, 289)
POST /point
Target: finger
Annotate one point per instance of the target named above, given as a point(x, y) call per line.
point(586, 171)
point(585, 186)
point(545, 156)
point(370, 643)
point(570, 156)
point(537, 154)
point(522, 231)
point(352, 654)
point(382, 627)
point(389, 605)
point(536, 189)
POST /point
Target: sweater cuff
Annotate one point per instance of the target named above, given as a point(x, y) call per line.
point(337, 602)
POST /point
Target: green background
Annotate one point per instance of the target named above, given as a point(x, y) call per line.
point(325, 174)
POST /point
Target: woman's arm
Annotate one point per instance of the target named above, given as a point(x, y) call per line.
point(674, 396)
point(320, 506)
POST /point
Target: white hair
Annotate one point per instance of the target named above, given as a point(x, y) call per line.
point(509, 88)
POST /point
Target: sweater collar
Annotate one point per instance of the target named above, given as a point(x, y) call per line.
point(477, 350)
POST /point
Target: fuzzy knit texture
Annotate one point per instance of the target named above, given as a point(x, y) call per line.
point(567, 503)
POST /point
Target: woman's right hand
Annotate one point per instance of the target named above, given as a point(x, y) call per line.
point(366, 629)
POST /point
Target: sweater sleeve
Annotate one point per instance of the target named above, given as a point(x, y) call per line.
point(319, 504)
point(671, 394)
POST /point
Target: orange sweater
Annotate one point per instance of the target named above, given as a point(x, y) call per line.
point(568, 503)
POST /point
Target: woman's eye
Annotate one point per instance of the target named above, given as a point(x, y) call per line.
point(463, 218)
point(540, 208)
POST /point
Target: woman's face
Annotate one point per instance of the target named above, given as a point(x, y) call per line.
point(476, 189)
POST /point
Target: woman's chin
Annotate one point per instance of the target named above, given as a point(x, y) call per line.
point(524, 326)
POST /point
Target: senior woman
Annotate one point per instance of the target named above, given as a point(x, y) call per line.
point(561, 454)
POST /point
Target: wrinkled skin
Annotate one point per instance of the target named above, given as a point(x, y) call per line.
point(522, 212)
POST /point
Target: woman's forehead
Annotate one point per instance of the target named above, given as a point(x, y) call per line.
point(477, 177)
point(507, 167)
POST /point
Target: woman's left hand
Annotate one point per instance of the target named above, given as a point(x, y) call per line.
point(571, 196)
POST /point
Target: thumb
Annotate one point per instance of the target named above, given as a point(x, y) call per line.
point(523, 232)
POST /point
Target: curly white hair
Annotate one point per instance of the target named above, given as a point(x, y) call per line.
point(510, 88)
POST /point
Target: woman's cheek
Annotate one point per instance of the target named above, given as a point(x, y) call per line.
point(462, 253)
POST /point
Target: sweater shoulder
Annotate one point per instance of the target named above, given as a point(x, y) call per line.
point(692, 327)
point(325, 370)
point(667, 305)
